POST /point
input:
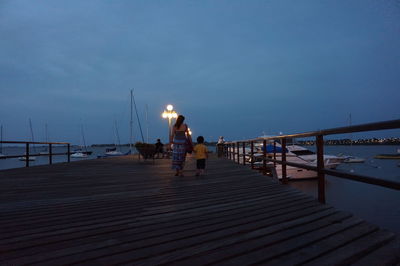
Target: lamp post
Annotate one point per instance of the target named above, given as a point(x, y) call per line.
point(169, 113)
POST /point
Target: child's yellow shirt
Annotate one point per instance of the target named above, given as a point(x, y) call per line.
point(200, 151)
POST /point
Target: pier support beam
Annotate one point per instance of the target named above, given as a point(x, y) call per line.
point(320, 167)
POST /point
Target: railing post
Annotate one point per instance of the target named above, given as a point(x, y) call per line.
point(264, 157)
point(274, 153)
point(50, 154)
point(69, 153)
point(252, 154)
point(284, 172)
point(244, 152)
point(233, 151)
point(320, 167)
point(238, 154)
point(27, 155)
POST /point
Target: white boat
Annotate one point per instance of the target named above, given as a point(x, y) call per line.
point(353, 159)
point(311, 156)
point(291, 171)
point(23, 158)
point(79, 155)
point(113, 153)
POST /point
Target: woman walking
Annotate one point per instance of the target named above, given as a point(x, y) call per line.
point(180, 138)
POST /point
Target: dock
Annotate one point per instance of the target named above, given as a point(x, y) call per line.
point(128, 211)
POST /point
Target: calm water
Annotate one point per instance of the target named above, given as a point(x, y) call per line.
point(40, 160)
point(377, 205)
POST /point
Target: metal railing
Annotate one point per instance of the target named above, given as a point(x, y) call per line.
point(231, 151)
point(50, 153)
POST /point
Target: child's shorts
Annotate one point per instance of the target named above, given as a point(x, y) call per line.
point(201, 163)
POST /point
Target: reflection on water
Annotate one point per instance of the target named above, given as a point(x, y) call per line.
point(377, 205)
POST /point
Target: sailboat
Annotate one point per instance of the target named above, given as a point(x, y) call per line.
point(113, 151)
point(31, 158)
point(81, 152)
point(2, 156)
point(45, 150)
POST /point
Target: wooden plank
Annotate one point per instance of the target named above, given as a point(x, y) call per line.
point(264, 249)
point(128, 242)
point(325, 246)
point(355, 250)
point(122, 211)
point(386, 255)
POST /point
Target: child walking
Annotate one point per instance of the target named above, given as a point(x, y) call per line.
point(201, 153)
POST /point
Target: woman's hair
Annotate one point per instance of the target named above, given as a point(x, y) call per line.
point(200, 139)
point(179, 121)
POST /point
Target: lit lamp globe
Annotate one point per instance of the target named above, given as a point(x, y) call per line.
point(170, 107)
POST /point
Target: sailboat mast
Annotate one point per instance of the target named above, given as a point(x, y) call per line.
point(147, 123)
point(45, 132)
point(131, 125)
point(137, 115)
point(83, 137)
point(117, 133)
point(33, 139)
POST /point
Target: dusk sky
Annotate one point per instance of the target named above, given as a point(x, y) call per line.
point(233, 68)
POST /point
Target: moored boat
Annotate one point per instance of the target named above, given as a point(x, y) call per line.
point(387, 156)
point(79, 155)
point(24, 158)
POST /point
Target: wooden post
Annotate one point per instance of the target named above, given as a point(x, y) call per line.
point(50, 154)
point(320, 168)
point(27, 154)
point(252, 154)
point(274, 153)
point(238, 154)
point(69, 153)
point(284, 173)
point(264, 157)
point(233, 151)
point(244, 153)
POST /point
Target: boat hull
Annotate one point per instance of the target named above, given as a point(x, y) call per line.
point(387, 156)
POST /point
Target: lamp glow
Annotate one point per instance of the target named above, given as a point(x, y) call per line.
point(169, 113)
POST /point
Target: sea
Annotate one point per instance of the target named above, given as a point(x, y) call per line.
point(377, 205)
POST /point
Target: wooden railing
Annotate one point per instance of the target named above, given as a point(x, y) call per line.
point(231, 151)
point(50, 153)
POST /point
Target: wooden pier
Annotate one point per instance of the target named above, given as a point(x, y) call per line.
point(124, 211)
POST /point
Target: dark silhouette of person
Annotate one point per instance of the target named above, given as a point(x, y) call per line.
point(159, 148)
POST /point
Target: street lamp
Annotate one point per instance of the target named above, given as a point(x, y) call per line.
point(169, 113)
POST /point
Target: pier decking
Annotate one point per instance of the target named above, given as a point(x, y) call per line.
point(125, 211)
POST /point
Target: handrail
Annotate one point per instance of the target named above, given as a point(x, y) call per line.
point(320, 169)
point(391, 124)
point(34, 142)
point(28, 154)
